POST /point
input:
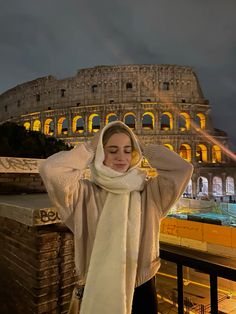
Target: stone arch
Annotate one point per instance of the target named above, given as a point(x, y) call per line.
point(49, 127)
point(217, 186)
point(129, 120)
point(186, 152)
point(230, 186)
point(111, 117)
point(27, 125)
point(216, 154)
point(78, 124)
point(202, 186)
point(148, 120)
point(201, 120)
point(36, 125)
point(62, 126)
point(184, 121)
point(169, 146)
point(166, 121)
point(189, 189)
point(201, 153)
point(94, 123)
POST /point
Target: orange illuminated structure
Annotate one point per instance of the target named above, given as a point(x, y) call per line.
point(163, 104)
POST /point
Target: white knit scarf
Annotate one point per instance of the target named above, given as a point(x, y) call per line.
point(113, 265)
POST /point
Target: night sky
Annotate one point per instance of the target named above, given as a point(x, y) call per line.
point(56, 37)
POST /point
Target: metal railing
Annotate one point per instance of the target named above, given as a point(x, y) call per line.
point(214, 266)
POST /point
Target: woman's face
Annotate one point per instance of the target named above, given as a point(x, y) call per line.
point(118, 152)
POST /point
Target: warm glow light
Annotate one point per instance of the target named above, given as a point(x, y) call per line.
point(216, 154)
point(169, 146)
point(27, 125)
point(212, 140)
point(61, 127)
point(169, 124)
point(186, 118)
point(92, 126)
point(202, 119)
point(201, 153)
point(209, 138)
point(111, 117)
point(78, 124)
point(148, 121)
point(185, 152)
point(36, 125)
point(48, 127)
point(129, 120)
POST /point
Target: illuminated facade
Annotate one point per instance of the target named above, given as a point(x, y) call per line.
point(163, 104)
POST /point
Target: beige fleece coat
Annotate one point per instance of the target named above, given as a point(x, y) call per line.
point(80, 201)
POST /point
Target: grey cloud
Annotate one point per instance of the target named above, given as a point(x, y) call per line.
point(58, 37)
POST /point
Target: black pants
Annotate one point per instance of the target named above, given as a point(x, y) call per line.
point(145, 298)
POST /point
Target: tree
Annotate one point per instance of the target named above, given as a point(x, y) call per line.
point(16, 141)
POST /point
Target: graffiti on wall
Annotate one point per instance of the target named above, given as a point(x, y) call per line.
point(48, 216)
point(19, 165)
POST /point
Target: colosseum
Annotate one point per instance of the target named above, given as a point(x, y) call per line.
point(163, 104)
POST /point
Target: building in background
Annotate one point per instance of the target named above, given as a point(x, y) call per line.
point(163, 104)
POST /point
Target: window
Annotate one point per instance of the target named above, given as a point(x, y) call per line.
point(229, 186)
point(78, 124)
point(62, 126)
point(27, 125)
point(217, 186)
point(18, 103)
point(36, 125)
point(5, 108)
point(111, 117)
point(49, 127)
point(202, 186)
point(63, 92)
point(184, 121)
point(94, 88)
point(216, 154)
point(200, 121)
point(166, 121)
point(94, 123)
point(166, 85)
point(148, 121)
point(129, 120)
point(201, 153)
point(129, 85)
point(185, 152)
point(37, 97)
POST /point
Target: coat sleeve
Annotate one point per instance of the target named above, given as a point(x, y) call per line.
point(173, 176)
point(61, 174)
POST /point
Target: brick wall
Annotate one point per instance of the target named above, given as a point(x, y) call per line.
point(36, 268)
point(14, 183)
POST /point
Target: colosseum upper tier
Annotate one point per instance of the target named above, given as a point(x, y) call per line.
point(163, 104)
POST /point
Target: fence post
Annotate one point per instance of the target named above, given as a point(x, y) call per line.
point(180, 289)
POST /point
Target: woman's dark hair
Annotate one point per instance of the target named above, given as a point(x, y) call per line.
point(114, 130)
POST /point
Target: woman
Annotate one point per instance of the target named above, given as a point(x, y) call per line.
point(115, 216)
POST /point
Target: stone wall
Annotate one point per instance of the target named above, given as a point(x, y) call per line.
point(103, 85)
point(14, 183)
point(37, 257)
point(36, 268)
point(20, 175)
